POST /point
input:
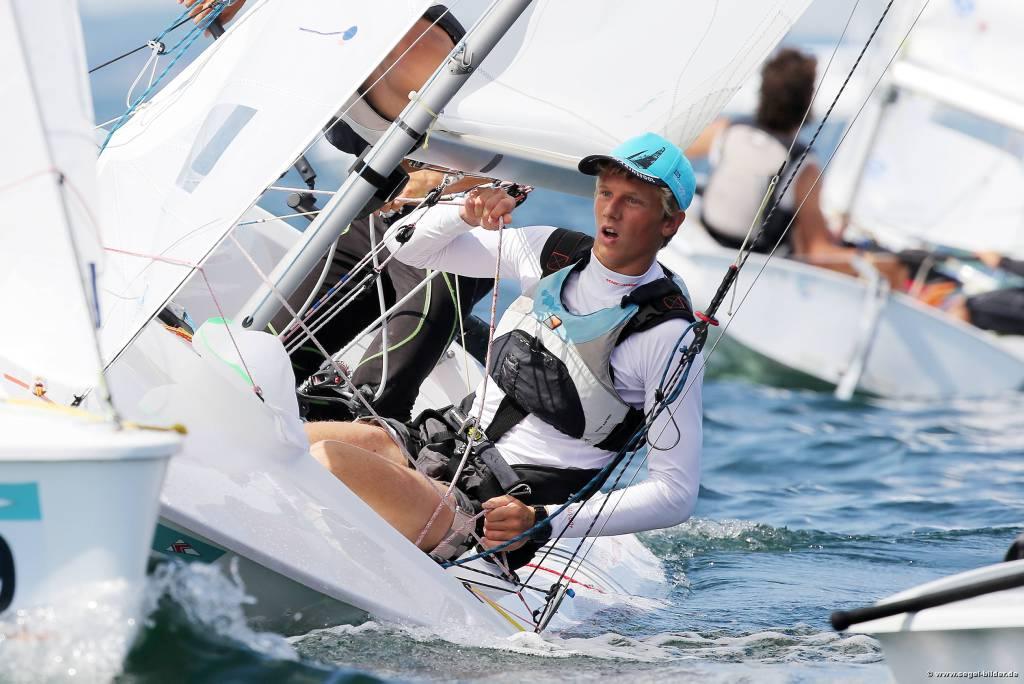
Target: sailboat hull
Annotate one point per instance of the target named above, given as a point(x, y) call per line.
point(78, 501)
point(974, 635)
point(819, 323)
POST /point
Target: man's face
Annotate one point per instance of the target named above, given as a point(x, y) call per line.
point(631, 223)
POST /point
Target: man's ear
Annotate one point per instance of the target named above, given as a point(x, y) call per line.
point(671, 224)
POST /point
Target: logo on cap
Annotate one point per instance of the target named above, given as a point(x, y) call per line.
point(646, 158)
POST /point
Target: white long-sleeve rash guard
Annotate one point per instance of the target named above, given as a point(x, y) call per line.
point(443, 241)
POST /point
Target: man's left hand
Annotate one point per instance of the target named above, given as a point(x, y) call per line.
point(506, 517)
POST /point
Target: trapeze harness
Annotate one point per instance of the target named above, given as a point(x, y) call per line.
point(748, 157)
point(555, 365)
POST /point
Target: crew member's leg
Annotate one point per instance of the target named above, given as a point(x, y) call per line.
point(402, 496)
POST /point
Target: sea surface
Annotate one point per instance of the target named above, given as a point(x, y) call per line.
point(807, 505)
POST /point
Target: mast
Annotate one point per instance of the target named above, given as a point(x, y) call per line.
point(371, 171)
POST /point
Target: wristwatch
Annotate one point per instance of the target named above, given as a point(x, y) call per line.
point(543, 533)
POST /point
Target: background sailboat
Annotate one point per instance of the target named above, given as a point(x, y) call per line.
point(77, 490)
point(856, 335)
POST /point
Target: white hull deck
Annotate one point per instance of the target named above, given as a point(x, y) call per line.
point(77, 507)
point(974, 635)
point(836, 331)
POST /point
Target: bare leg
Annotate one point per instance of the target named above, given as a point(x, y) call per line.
point(402, 496)
point(365, 436)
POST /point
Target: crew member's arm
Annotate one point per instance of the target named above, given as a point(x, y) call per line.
point(668, 495)
point(464, 239)
point(811, 235)
point(701, 147)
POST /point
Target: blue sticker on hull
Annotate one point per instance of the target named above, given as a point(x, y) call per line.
point(20, 501)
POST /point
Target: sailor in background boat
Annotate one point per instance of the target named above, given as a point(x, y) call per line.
point(1000, 310)
point(424, 326)
point(746, 153)
point(578, 360)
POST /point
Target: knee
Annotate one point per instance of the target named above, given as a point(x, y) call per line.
point(320, 451)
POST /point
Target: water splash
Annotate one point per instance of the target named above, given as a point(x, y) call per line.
point(213, 603)
point(84, 636)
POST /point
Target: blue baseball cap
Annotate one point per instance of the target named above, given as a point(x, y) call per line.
point(651, 158)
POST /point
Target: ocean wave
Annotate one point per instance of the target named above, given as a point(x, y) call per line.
point(700, 536)
point(421, 653)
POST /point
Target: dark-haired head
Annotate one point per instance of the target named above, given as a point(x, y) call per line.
point(787, 86)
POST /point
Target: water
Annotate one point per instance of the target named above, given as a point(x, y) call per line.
point(807, 505)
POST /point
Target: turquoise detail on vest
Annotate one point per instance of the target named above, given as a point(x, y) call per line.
point(547, 302)
point(174, 544)
point(20, 502)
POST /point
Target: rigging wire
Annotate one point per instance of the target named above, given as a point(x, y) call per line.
point(152, 43)
point(180, 48)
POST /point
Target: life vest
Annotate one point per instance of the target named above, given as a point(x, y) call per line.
point(562, 373)
point(745, 159)
point(556, 365)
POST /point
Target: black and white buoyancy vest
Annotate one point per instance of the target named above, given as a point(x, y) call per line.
point(744, 160)
point(556, 365)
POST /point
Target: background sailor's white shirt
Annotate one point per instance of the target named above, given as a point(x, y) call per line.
point(442, 240)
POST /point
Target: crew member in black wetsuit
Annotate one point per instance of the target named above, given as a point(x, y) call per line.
point(423, 328)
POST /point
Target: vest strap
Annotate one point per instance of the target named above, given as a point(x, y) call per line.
point(563, 247)
point(508, 415)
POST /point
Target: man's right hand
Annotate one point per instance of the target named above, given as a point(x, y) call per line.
point(201, 8)
point(485, 207)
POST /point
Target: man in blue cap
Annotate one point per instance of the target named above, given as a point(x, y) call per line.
point(578, 360)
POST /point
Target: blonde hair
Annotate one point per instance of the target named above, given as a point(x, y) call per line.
point(669, 204)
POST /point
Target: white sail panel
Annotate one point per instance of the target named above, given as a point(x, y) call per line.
point(977, 41)
point(938, 175)
point(575, 78)
point(48, 207)
point(179, 174)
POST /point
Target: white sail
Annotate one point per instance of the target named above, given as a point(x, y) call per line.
point(186, 166)
point(976, 42)
point(575, 78)
point(48, 232)
point(941, 176)
point(943, 167)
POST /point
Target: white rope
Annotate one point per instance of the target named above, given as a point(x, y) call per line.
point(471, 435)
point(151, 60)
